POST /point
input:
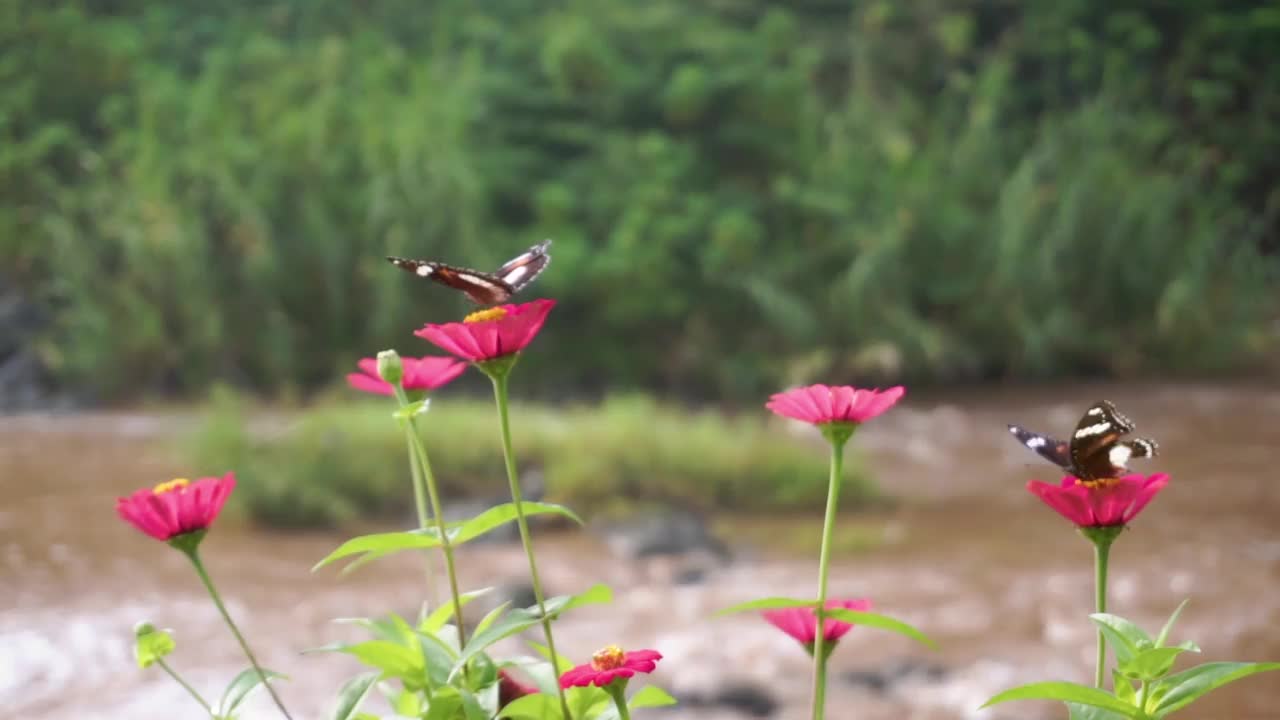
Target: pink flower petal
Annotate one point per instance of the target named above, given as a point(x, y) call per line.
point(180, 510)
point(1150, 488)
point(1102, 504)
point(818, 404)
point(488, 339)
point(364, 383)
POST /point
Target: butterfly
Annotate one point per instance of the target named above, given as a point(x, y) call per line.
point(1095, 450)
point(481, 287)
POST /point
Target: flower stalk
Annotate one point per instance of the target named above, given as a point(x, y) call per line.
point(189, 549)
point(838, 434)
point(185, 685)
point(424, 490)
point(499, 371)
point(1102, 538)
point(618, 691)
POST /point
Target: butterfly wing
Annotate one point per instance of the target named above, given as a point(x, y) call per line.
point(1096, 450)
point(521, 270)
point(1142, 448)
point(482, 288)
point(1055, 451)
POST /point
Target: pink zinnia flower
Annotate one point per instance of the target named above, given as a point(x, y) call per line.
point(820, 404)
point(176, 507)
point(492, 333)
point(426, 373)
point(801, 623)
point(1109, 502)
point(509, 688)
point(610, 664)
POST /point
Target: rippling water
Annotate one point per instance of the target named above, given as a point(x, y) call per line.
point(965, 554)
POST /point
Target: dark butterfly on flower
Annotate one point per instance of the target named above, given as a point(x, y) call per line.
point(481, 287)
point(1096, 449)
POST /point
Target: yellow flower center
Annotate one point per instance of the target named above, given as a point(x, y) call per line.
point(164, 487)
point(480, 316)
point(610, 658)
point(1099, 483)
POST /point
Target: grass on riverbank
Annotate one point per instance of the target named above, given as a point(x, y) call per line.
point(341, 462)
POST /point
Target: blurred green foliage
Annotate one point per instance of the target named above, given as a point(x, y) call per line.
point(344, 461)
point(742, 193)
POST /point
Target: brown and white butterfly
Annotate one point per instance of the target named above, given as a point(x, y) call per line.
point(1096, 449)
point(481, 287)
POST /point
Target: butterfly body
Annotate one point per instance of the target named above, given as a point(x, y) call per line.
point(484, 288)
point(1096, 449)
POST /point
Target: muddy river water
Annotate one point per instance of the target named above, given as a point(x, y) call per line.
point(963, 552)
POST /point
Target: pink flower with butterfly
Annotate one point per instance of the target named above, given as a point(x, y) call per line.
point(1098, 448)
point(424, 373)
point(490, 334)
point(1110, 502)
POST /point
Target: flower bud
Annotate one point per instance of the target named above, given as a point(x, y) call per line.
point(390, 369)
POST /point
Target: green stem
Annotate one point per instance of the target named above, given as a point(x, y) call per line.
point(217, 601)
point(420, 503)
point(500, 396)
point(425, 487)
point(820, 653)
point(1101, 551)
point(446, 545)
point(173, 674)
point(618, 691)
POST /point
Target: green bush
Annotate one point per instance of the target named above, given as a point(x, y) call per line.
point(742, 195)
point(342, 462)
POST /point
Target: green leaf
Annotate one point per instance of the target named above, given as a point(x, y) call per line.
point(245, 683)
point(647, 696)
point(402, 631)
point(562, 663)
point(1067, 692)
point(1076, 711)
point(1125, 638)
point(437, 656)
point(539, 706)
point(380, 629)
point(382, 544)
point(502, 514)
point(769, 603)
point(598, 594)
point(472, 709)
point(587, 701)
point(378, 545)
point(444, 613)
point(392, 659)
point(1152, 664)
point(490, 618)
point(1179, 690)
point(545, 677)
point(352, 694)
point(651, 696)
point(1124, 688)
point(520, 619)
point(883, 622)
point(150, 644)
point(412, 410)
point(513, 622)
point(1168, 626)
point(409, 703)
